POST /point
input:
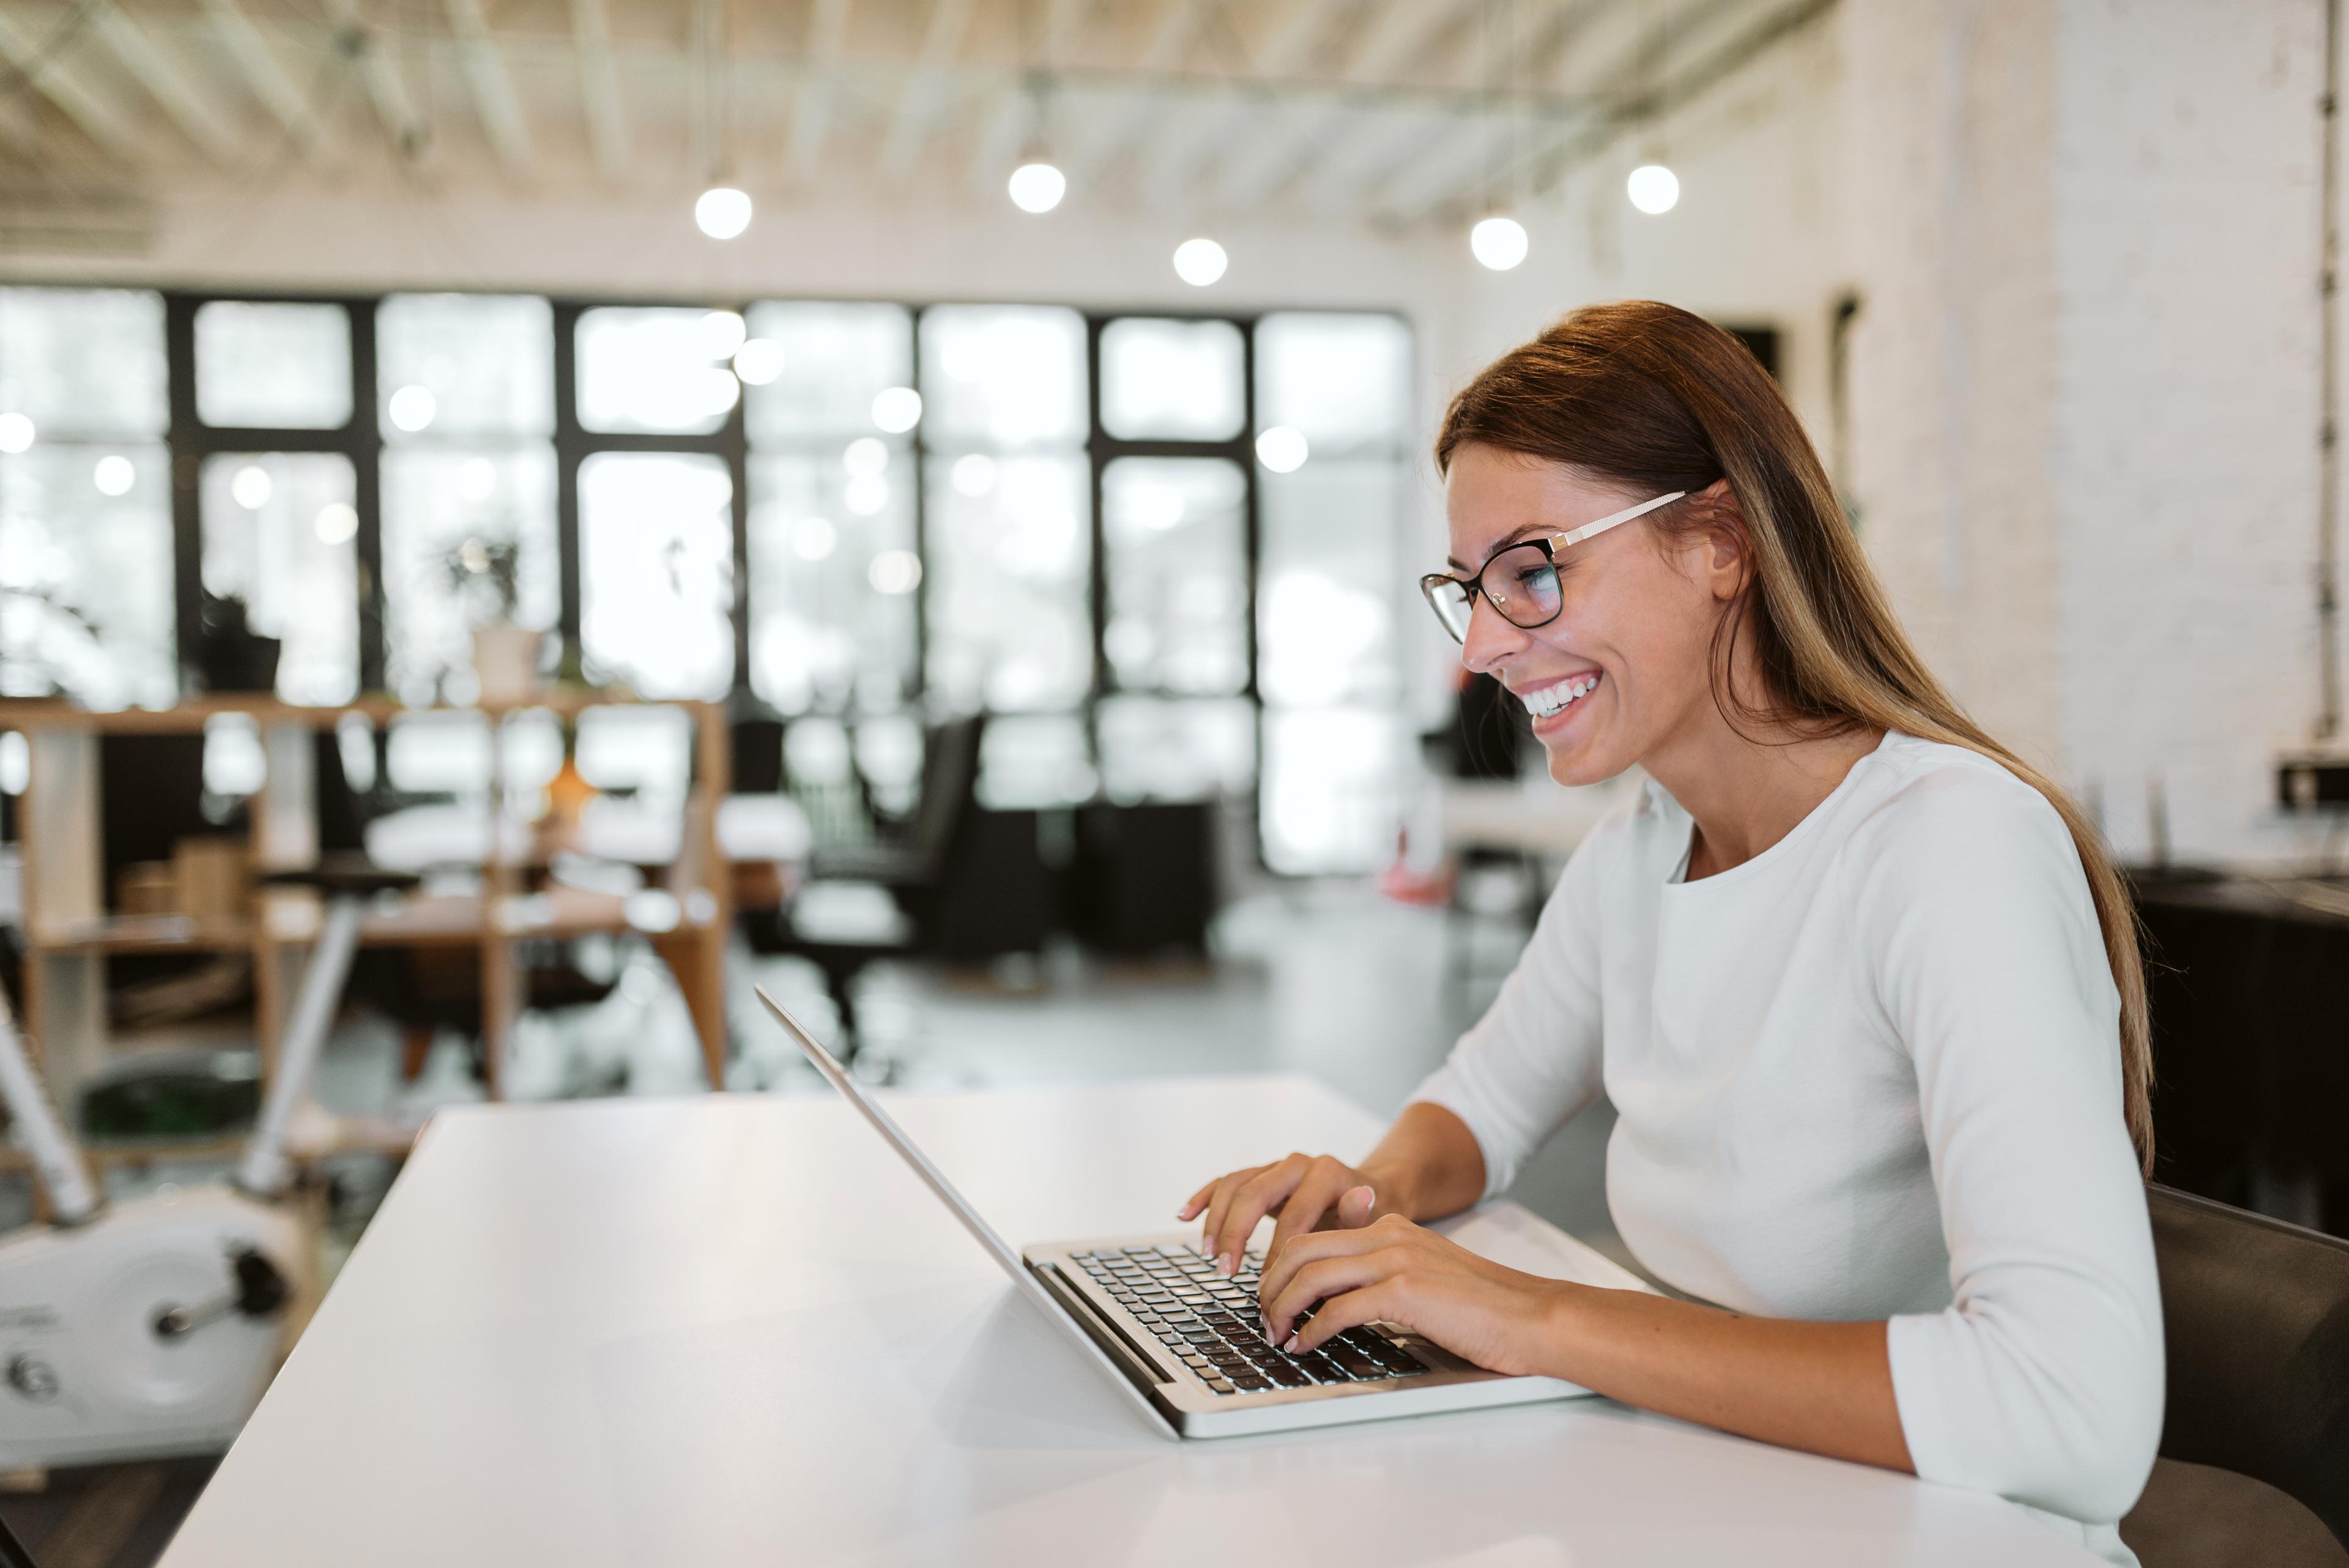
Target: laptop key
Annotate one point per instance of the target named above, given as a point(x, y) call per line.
point(1288, 1376)
point(1360, 1367)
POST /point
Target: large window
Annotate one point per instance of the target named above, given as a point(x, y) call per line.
point(1162, 552)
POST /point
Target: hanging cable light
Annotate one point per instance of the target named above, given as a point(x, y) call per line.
point(1038, 184)
point(1497, 240)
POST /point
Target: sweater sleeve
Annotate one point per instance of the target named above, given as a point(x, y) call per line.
point(1533, 1060)
point(2042, 1380)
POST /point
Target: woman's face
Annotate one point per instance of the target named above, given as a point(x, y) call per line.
point(1634, 635)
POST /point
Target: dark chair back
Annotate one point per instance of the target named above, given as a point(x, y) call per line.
point(2257, 1318)
point(950, 787)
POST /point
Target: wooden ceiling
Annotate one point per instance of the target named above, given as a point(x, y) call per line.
point(1391, 112)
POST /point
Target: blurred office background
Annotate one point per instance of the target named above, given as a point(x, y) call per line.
point(1006, 422)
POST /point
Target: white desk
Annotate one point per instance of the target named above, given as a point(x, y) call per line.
point(733, 1331)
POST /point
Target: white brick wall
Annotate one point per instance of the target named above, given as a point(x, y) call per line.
point(2085, 395)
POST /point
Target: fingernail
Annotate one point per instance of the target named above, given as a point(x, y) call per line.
point(1227, 1265)
point(1290, 1348)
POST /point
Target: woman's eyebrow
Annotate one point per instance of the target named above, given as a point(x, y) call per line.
point(1530, 530)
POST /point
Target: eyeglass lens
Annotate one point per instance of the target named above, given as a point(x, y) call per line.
point(1521, 583)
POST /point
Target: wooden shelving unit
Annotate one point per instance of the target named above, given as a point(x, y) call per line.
point(71, 933)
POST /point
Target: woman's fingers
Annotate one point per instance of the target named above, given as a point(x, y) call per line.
point(1376, 1303)
point(1312, 1248)
point(1354, 1207)
point(1219, 1202)
point(1197, 1201)
point(1324, 1181)
point(1321, 1280)
point(1262, 1193)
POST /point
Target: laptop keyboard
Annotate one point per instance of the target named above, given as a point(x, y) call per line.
point(1215, 1325)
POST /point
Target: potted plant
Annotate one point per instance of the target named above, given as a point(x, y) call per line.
point(485, 573)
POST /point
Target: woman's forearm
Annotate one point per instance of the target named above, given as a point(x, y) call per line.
point(1826, 1387)
point(1427, 1166)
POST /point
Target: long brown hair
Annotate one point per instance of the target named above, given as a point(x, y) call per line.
point(1657, 400)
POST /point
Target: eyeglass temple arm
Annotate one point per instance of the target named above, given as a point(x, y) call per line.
point(1576, 536)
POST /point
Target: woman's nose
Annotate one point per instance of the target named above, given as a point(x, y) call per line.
point(1491, 638)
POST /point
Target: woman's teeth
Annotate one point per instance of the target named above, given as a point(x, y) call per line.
point(1550, 699)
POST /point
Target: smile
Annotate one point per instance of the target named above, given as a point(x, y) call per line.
point(1557, 699)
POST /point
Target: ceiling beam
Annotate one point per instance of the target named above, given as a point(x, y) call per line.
point(502, 119)
point(204, 126)
point(43, 67)
point(599, 86)
point(811, 110)
point(380, 76)
point(925, 87)
point(1178, 23)
point(1560, 150)
point(1398, 33)
point(263, 76)
point(1286, 48)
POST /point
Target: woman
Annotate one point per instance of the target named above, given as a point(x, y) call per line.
point(1863, 987)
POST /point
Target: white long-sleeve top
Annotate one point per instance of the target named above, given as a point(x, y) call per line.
point(1873, 1072)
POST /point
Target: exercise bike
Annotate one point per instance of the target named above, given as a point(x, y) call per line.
point(150, 1328)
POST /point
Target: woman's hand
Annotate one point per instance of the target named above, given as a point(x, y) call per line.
point(1305, 1190)
point(1395, 1272)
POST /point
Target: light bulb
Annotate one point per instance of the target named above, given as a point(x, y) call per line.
point(865, 495)
point(1200, 262)
point(477, 480)
point(1281, 449)
point(1653, 187)
point(898, 408)
point(974, 474)
point(412, 408)
point(114, 475)
point(1499, 243)
point(1038, 187)
point(759, 361)
point(813, 539)
point(895, 572)
point(721, 333)
point(336, 522)
point(250, 488)
point(15, 432)
point(722, 213)
point(866, 456)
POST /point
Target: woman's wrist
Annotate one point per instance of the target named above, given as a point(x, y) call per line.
point(1394, 1190)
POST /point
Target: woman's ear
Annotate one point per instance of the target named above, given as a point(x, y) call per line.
point(1726, 557)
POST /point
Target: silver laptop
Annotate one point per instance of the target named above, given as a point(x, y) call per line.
point(1187, 1344)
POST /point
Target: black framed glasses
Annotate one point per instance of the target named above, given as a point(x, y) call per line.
point(1520, 582)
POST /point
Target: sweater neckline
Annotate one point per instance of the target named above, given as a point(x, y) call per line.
point(1677, 882)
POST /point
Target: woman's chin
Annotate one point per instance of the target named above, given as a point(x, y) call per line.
point(1574, 763)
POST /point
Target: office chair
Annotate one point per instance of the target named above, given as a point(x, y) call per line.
point(912, 870)
point(2257, 1320)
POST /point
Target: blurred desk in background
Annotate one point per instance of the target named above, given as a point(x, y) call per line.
point(2248, 980)
point(1532, 816)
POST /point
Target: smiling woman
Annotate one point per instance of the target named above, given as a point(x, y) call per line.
point(1863, 987)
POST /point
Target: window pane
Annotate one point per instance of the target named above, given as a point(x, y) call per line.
point(661, 372)
point(657, 577)
point(83, 361)
point(485, 363)
point(435, 502)
point(1155, 749)
point(1177, 533)
point(1344, 380)
point(834, 360)
point(1035, 760)
point(277, 532)
point(86, 601)
point(277, 366)
point(1003, 376)
point(1011, 627)
point(1331, 798)
point(1172, 381)
point(832, 622)
point(1329, 584)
